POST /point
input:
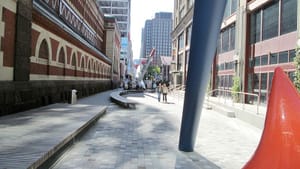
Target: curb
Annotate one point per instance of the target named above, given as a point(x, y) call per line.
point(53, 154)
point(250, 118)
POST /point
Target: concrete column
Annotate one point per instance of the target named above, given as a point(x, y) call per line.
point(23, 40)
point(240, 43)
point(206, 27)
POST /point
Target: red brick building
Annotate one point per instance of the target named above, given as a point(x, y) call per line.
point(49, 47)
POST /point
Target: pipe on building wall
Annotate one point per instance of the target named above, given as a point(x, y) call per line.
point(206, 27)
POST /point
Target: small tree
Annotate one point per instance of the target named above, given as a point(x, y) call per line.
point(152, 71)
point(297, 72)
point(236, 88)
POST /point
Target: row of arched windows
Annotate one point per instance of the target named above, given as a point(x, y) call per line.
point(87, 65)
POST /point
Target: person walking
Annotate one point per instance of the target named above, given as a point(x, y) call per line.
point(165, 92)
point(159, 89)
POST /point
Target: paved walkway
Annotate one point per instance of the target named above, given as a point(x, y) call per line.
point(29, 138)
point(147, 138)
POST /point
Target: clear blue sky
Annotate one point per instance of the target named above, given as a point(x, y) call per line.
point(141, 10)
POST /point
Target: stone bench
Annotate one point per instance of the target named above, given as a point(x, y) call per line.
point(120, 100)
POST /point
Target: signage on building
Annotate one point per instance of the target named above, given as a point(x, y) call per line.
point(63, 9)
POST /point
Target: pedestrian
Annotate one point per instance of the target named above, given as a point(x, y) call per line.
point(159, 90)
point(165, 92)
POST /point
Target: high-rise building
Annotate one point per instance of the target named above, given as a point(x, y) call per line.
point(157, 34)
point(120, 9)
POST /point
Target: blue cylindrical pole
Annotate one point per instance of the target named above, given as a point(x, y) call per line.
point(207, 19)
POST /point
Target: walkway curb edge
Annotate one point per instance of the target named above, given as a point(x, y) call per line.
point(48, 158)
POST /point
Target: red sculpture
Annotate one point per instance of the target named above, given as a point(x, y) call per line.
point(279, 147)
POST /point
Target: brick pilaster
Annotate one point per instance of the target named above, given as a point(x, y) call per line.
point(23, 40)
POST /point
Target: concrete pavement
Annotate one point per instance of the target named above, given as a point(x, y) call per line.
point(147, 138)
point(30, 138)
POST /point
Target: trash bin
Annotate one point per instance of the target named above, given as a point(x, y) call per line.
point(73, 96)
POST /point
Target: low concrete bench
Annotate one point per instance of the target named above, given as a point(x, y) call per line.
point(120, 100)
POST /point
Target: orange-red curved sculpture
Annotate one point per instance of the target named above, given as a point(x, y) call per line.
point(279, 147)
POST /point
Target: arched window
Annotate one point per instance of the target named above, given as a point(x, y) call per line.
point(61, 56)
point(44, 50)
point(89, 69)
point(74, 60)
point(61, 59)
point(44, 54)
point(82, 63)
point(74, 64)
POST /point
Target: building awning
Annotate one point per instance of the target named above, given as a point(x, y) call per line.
point(166, 60)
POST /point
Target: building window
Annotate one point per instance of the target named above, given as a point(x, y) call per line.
point(227, 10)
point(292, 55)
point(44, 50)
point(188, 35)
point(82, 63)
point(73, 60)
point(234, 4)
point(61, 56)
point(270, 21)
point(288, 18)
point(225, 40)
point(257, 61)
point(283, 57)
point(264, 60)
point(256, 81)
point(231, 7)
point(227, 37)
point(270, 79)
point(232, 38)
point(179, 62)
point(181, 41)
point(273, 58)
point(264, 79)
point(255, 27)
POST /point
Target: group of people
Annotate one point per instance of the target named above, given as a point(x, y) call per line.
point(162, 88)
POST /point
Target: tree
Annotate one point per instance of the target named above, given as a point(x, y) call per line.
point(152, 71)
point(235, 89)
point(297, 72)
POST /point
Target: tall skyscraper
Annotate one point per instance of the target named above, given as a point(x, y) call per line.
point(157, 34)
point(120, 9)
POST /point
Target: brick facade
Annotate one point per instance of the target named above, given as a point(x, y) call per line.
point(53, 56)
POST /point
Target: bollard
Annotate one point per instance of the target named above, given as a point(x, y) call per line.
point(73, 96)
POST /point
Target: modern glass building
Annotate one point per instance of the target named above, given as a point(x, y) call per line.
point(255, 37)
point(157, 34)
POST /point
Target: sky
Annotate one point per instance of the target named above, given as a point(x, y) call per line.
point(141, 10)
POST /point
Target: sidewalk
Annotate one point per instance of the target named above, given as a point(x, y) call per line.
point(147, 138)
point(29, 138)
point(251, 113)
